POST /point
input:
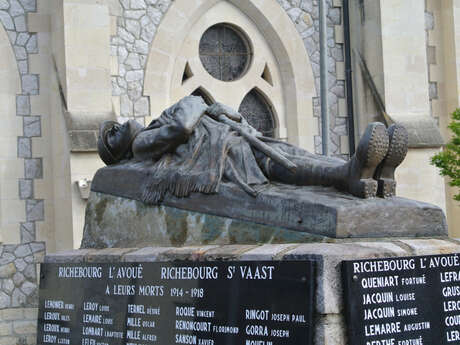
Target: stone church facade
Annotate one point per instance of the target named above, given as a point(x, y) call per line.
point(66, 65)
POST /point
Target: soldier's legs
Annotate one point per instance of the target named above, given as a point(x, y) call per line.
point(354, 176)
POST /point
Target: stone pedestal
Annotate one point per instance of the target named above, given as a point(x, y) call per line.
point(279, 214)
point(282, 223)
point(330, 327)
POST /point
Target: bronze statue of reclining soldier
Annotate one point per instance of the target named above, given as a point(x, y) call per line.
point(192, 147)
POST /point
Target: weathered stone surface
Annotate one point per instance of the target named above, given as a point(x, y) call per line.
point(141, 47)
point(429, 21)
point(83, 140)
point(28, 288)
point(8, 286)
point(4, 5)
point(126, 105)
point(30, 313)
point(7, 271)
point(20, 53)
point(194, 253)
point(18, 298)
point(35, 210)
point(71, 256)
point(6, 258)
point(23, 67)
point(141, 107)
point(147, 254)
point(32, 126)
point(268, 252)
point(22, 251)
point(22, 39)
point(5, 328)
point(24, 327)
point(5, 300)
point(24, 147)
point(134, 14)
point(134, 75)
point(289, 213)
point(132, 61)
point(330, 330)
point(20, 264)
point(18, 279)
point(12, 314)
point(15, 8)
point(6, 20)
point(32, 45)
point(431, 246)
point(230, 252)
point(23, 105)
point(20, 23)
point(29, 5)
point(137, 4)
point(167, 226)
point(30, 84)
point(133, 27)
point(106, 255)
point(11, 34)
point(25, 190)
point(30, 272)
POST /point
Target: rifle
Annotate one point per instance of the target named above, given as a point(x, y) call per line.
point(248, 132)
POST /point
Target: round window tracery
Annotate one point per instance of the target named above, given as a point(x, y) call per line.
point(225, 52)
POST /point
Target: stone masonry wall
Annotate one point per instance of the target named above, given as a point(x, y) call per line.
point(19, 292)
point(136, 29)
point(139, 20)
point(18, 262)
point(305, 15)
point(13, 14)
point(431, 58)
point(18, 326)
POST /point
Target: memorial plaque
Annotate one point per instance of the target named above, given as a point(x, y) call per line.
point(403, 301)
point(208, 303)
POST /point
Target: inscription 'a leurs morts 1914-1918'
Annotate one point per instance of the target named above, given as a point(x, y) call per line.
point(212, 303)
point(403, 301)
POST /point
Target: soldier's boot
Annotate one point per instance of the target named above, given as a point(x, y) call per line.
point(372, 149)
point(397, 150)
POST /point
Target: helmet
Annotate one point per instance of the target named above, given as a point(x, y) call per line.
point(119, 150)
point(104, 150)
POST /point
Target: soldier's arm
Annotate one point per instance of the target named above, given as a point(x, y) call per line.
point(185, 114)
point(153, 143)
point(172, 128)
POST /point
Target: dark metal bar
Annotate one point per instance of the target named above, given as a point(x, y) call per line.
point(348, 76)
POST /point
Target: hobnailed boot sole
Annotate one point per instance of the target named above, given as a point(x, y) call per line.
point(397, 150)
point(372, 149)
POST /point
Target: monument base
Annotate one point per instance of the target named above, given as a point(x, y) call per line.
point(279, 214)
point(310, 211)
point(329, 323)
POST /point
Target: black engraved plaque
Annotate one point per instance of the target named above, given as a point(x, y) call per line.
point(403, 301)
point(206, 303)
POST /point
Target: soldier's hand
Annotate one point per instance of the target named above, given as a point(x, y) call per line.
point(217, 109)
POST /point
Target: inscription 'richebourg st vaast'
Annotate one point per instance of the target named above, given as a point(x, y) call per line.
point(390, 293)
point(151, 290)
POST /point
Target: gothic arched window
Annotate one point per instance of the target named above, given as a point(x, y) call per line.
point(258, 113)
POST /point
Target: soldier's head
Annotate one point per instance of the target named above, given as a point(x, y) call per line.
point(115, 139)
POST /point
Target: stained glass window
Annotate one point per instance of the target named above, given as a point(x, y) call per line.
point(258, 113)
point(225, 52)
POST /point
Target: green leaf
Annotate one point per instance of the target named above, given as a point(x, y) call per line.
point(448, 160)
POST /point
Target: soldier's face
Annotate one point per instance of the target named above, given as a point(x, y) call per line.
point(116, 136)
